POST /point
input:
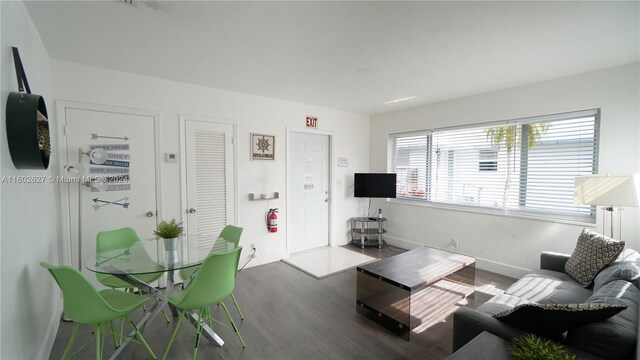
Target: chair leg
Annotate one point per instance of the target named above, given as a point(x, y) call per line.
point(121, 332)
point(73, 337)
point(198, 331)
point(113, 334)
point(235, 328)
point(173, 335)
point(237, 306)
point(98, 336)
point(104, 333)
point(166, 317)
point(142, 340)
point(207, 310)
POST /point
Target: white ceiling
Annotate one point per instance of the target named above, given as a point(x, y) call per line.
point(354, 56)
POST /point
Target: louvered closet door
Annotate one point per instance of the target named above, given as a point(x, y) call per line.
point(210, 183)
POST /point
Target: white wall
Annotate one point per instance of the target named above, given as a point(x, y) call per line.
point(30, 300)
point(506, 244)
point(253, 114)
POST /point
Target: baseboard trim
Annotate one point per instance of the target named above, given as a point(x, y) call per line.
point(52, 331)
point(483, 264)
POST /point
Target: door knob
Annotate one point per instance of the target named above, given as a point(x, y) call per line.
point(149, 213)
point(192, 211)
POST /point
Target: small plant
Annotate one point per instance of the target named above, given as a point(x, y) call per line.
point(44, 141)
point(169, 230)
point(532, 347)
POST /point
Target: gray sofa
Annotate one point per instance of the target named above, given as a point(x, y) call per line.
point(614, 338)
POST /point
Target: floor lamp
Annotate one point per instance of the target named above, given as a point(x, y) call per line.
point(612, 192)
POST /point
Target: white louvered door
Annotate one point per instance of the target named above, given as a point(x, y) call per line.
point(210, 183)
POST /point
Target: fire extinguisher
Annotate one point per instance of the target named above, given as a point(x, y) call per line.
point(272, 220)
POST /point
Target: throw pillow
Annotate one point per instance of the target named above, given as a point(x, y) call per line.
point(592, 253)
point(554, 319)
point(623, 270)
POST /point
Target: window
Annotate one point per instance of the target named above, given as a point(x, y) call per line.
point(524, 166)
point(488, 160)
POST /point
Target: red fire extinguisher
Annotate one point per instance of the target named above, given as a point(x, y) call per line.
point(272, 220)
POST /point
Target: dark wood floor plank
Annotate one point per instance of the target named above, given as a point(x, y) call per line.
point(291, 315)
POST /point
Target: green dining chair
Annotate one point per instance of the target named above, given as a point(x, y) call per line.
point(211, 284)
point(122, 239)
point(231, 234)
point(83, 304)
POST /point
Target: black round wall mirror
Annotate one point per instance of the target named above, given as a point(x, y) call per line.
point(28, 131)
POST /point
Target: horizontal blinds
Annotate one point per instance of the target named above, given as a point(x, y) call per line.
point(567, 149)
point(410, 163)
point(523, 166)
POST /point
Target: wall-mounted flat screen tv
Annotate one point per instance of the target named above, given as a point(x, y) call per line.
point(374, 185)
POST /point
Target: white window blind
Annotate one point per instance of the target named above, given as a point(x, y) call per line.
point(409, 161)
point(525, 166)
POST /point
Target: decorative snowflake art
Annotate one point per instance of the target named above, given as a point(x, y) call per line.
point(262, 147)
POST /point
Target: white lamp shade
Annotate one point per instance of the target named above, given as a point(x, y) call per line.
point(608, 190)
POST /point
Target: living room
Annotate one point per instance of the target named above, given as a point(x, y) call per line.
point(549, 84)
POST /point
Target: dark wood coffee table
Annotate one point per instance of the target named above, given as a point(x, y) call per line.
point(414, 288)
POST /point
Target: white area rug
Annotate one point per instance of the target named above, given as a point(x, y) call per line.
point(327, 261)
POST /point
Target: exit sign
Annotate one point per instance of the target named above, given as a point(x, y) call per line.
point(312, 122)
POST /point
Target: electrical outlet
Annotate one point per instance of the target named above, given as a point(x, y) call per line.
point(454, 243)
point(253, 247)
point(253, 251)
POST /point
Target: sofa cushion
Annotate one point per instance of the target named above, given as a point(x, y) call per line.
point(592, 253)
point(554, 319)
point(623, 270)
point(628, 255)
point(613, 338)
point(547, 286)
point(500, 303)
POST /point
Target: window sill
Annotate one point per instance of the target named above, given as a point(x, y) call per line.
point(483, 211)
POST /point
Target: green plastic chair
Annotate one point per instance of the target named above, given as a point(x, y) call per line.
point(122, 239)
point(213, 283)
point(85, 305)
point(230, 234)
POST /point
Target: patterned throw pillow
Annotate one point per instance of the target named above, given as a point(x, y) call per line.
point(554, 319)
point(592, 253)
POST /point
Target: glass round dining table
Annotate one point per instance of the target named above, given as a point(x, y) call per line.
point(126, 263)
point(136, 260)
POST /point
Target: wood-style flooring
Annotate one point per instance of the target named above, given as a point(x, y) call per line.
point(291, 315)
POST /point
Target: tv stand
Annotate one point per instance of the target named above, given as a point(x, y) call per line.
point(367, 231)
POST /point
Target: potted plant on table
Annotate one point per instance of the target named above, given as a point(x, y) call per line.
point(169, 231)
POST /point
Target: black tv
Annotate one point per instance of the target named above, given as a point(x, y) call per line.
point(374, 185)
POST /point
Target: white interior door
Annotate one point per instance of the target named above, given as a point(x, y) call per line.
point(127, 177)
point(209, 183)
point(308, 191)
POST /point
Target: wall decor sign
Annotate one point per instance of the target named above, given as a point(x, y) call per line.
point(262, 147)
point(109, 165)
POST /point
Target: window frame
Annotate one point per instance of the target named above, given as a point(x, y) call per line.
point(520, 212)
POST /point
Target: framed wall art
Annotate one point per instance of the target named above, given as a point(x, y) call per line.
point(262, 147)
